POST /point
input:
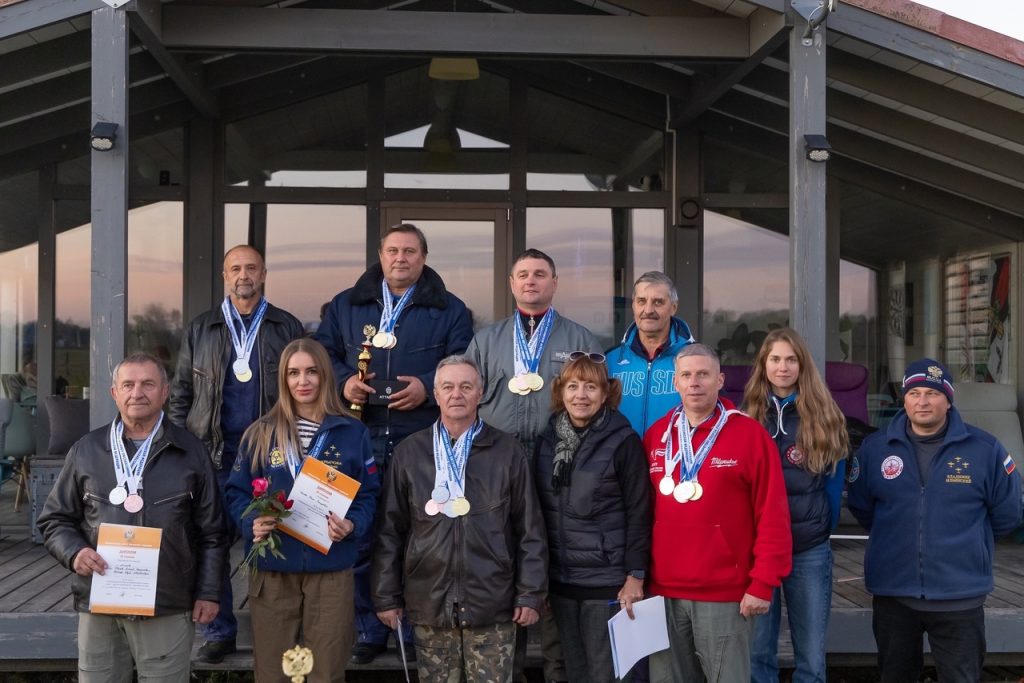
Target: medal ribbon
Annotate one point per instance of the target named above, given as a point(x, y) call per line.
point(690, 461)
point(450, 460)
point(295, 462)
point(129, 471)
point(244, 341)
point(526, 355)
point(391, 311)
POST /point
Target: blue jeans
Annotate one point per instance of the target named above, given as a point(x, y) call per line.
point(808, 593)
point(224, 626)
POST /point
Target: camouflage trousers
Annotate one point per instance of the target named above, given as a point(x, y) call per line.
point(474, 655)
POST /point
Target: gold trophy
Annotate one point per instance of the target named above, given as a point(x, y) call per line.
point(363, 364)
point(297, 663)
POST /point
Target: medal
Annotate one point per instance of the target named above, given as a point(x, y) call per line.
point(513, 386)
point(243, 342)
point(431, 508)
point(117, 495)
point(129, 470)
point(689, 461)
point(241, 369)
point(390, 310)
point(440, 494)
point(523, 384)
point(534, 381)
point(683, 492)
point(460, 506)
point(449, 509)
point(526, 354)
point(666, 486)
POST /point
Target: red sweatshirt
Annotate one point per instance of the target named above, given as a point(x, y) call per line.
point(736, 538)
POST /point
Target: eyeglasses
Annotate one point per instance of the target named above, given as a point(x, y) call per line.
point(596, 357)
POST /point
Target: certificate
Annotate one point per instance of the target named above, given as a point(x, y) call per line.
point(132, 554)
point(318, 489)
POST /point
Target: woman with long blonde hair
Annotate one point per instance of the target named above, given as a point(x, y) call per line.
point(304, 590)
point(787, 395)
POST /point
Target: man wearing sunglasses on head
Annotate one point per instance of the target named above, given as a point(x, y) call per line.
point(518, 358)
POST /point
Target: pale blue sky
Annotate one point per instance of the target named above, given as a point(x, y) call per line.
point(1004, 16)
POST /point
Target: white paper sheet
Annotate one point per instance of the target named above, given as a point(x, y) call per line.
point(634, 639)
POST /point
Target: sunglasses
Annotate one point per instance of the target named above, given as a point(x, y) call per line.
point(595, 357)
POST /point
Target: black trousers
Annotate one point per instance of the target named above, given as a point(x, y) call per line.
point(957, 641)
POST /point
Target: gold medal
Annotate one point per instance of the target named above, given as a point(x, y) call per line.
point(698, 491)
point(513, 386)
point(523, 384)
point(380, 340)
point(666, 486)
point(244, 377)
point(536, 382)
point(460, 506)
point(392, 341)
point(683, 492)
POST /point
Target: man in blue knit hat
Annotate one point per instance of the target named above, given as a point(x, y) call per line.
point(933, 492)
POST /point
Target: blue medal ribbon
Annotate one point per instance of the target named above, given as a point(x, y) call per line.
point(317, 448)
point(389, 314)
point(688, 461)
point(527, 354)
point(450, 460)
point(243, 341)
point(130, 471)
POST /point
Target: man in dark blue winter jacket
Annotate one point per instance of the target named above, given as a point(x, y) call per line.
point(417, 322)
point(933, 492)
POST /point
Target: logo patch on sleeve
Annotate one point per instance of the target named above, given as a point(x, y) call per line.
point(1009, 465)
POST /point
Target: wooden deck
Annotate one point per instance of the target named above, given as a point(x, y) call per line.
point(38, 626)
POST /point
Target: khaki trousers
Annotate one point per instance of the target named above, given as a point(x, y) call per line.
point(314, 610)
point(159, 646)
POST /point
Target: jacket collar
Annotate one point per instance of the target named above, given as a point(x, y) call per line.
point(956, 431)
point(430, 289)
point(679, 335)
point(273, 314)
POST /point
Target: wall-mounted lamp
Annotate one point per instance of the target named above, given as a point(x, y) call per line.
point(103, 135)
point(817, 148)
point(454, 69)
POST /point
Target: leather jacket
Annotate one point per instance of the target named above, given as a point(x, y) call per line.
point(197, 389)
point(485, 563)
point(181, 498)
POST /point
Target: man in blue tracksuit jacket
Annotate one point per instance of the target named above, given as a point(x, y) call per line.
point(645, 360)
point(933, 492)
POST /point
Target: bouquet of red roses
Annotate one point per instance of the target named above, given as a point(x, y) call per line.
point(265, 504)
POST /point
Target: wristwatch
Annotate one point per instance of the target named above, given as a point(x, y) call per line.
point(637, 574)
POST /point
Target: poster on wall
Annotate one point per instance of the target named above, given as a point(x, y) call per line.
point(978, 317)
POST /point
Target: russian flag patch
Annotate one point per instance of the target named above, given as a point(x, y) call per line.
point(371, 466)
point(1009, 465)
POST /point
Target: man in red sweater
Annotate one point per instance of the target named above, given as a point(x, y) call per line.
point(721, 538)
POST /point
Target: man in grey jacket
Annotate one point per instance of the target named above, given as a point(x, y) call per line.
point(519, 357)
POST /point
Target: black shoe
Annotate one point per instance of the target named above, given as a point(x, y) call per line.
point(364, 653)
point(214, 651)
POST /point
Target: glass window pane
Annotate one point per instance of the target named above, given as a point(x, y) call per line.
point(574, 147)
point(648, 242)
point(746, 286)
point(306, 268)
point(236, 225)
point(977, 336)
point(444, 134)
point(18, 306)
point(155, 265)
point(462, 252)
point(320, 142)
point(73, 302)
point(580, 242)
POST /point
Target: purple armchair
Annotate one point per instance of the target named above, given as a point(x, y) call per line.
point(848, 383)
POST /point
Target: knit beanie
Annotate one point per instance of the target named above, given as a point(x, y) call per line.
point(930, 374)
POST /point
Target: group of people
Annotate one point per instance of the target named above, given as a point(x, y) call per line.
point(521, 476)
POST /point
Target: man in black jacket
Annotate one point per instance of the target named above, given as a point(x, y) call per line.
point(140, 471)
point(226, 379)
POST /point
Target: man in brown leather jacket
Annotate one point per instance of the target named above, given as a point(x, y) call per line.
point(141, 470)
point(460, 550)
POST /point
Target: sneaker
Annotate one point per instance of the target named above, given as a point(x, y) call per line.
point(214, 651)
point(364, 653)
